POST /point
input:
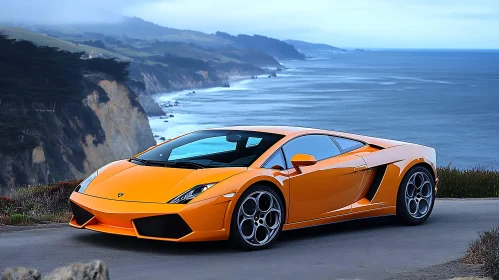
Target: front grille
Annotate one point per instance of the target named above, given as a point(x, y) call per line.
point(81, 215)
point(166, 226)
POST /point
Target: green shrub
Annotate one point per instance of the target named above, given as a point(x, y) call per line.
point(16, 219)
point(471, 183)
point(6, 205)
point(485, 251)
point(38, 203)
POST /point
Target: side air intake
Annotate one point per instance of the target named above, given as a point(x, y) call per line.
point(166, 226)
point(81, 215)
point(378, 178)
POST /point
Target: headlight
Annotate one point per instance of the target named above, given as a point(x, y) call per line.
point(84, 184)
point(187, 196)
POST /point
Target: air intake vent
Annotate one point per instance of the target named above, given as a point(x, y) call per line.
point(166, 226)
point(81, 215)
point(378, 177)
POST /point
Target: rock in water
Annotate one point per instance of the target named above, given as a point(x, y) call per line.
point(20, 273)
point(94, 270)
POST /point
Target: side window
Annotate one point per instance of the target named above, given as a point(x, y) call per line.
point(347, 144)
point(319, 146)
point(212, 145)
point(253, 141)
point(276, 159)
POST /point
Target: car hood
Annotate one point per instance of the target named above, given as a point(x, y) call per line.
point(126, 181)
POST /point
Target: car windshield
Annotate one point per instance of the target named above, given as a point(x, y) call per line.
point(211, 148)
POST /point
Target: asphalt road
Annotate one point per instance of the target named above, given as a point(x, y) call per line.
point(367, 249)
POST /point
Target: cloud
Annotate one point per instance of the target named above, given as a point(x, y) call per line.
point(352, 23)
point(63, 11)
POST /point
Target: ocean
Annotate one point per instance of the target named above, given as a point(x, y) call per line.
point(448, 100)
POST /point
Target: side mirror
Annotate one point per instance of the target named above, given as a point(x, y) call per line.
point(300, 160)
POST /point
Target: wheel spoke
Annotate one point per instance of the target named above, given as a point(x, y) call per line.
point(413, 206)
point(423, 206)
point(265, 202)
point(272, 219)
point(262, 234)
point(418, 181)
point(247, 228)
point(249, 205)
point(426, 191)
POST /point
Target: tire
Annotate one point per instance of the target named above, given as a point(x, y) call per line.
point(257, 226)
point(416, 196)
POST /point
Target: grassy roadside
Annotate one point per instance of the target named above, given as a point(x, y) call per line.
point(485, 252)
point(38, 204)
point(467, 183)
point(49, 203)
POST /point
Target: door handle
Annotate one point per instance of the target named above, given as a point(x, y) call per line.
point(359, 168)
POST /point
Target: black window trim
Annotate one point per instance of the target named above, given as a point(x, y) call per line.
point(280, 150)
point(351, 149)
point(328, 135)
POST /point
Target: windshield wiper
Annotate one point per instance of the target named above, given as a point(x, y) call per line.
point(186, 163)
point(169, 163)
point(150, 162)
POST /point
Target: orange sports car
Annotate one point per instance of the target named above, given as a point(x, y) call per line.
point(247, 184)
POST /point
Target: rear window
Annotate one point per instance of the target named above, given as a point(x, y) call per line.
point(346, 144)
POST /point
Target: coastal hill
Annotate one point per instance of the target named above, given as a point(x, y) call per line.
point(67, 118)
point(206, 67)
point(135, 27)
point(276, 48)
point(147, 46)
point(312, 48)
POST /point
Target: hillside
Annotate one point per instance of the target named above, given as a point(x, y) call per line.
point(275, 48)
point(310, 48)
point(45, 40)
point(147, 65)
point(63, 120)
point(138, 28)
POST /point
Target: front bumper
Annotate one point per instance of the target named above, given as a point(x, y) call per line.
point(199, 221)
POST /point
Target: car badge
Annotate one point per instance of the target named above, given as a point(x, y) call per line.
point(120, 194)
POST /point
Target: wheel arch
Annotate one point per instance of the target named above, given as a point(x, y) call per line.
point(277, 190)
point(423, 162)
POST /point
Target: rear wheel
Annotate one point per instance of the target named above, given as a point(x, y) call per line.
point(257, 219)
point(416, 196)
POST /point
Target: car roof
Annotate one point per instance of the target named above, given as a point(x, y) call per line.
point(292, 131)
point(283, 130)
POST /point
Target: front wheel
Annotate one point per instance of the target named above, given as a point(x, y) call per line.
point(257, 219)
point(416, 196)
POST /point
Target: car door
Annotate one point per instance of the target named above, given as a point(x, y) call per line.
point(327, 188)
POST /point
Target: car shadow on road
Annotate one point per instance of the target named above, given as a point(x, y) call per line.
point(287, 238)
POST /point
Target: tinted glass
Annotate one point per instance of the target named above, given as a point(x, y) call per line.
point(204, 146)
point(348, 144)
point(276, 159)
point(319, 146)
point(253, 141)
point(213, 148)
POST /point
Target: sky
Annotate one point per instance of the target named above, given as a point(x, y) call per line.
point(462, 24)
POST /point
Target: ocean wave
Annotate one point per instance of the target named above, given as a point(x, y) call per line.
point(387, 83)
point(420, 80)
